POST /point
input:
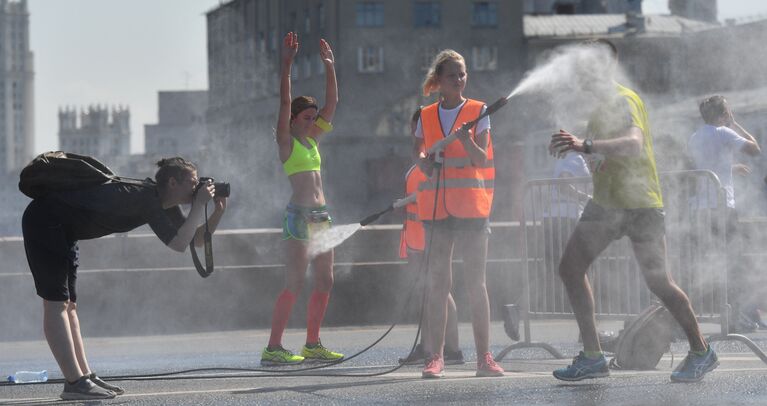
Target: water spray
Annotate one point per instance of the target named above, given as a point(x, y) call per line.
point(327, 239)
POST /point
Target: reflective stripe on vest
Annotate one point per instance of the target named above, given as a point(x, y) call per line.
point(465, 190)
point(413, 235)
point(464, 162)
point(458, 184)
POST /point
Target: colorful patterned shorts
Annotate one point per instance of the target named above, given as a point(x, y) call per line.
point(299, 223)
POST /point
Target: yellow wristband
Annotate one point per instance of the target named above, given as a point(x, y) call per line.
point(323, 124)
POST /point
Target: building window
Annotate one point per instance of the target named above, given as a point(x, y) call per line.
point(307, 68)
point(485, 58)
point(370, 59)
point(321, 16)
point(426, 14)
point(307, 21)
point(564, 8)
point(485, 14)
point(370, 14)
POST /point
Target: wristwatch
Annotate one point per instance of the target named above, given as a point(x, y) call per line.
point(588, 144)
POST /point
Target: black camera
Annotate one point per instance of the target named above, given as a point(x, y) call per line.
point(222, 188)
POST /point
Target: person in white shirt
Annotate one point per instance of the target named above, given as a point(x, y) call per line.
point(567, 203)
point(714, 147)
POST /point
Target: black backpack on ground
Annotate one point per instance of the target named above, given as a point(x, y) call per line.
point(642, 343)
point(56, 171)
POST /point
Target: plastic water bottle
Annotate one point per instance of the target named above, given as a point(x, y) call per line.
point(28, 376)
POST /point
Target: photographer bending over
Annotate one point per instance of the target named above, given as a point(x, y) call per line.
point(53, 224)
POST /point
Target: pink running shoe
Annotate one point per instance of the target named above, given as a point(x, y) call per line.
point(435, 367)
point(486, 366)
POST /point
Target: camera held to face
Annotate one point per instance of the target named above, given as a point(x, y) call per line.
point(222, 188)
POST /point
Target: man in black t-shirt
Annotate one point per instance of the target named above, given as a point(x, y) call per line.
point(53, 224)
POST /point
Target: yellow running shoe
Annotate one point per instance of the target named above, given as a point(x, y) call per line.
point(279, 356)
point(320, 354)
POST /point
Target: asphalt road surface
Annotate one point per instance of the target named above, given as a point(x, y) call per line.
point(740, 379)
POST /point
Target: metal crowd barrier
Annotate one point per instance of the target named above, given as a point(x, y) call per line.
point(697, 255)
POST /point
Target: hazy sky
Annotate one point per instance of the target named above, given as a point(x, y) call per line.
point(125, 51)
point(114, 52)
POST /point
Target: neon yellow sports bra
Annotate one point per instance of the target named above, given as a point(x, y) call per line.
point(302, 159)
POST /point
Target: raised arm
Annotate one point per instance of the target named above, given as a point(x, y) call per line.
point(284, 141)
point(328, 110)
point(751, 146)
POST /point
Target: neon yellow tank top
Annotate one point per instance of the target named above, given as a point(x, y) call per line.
point(303, 159)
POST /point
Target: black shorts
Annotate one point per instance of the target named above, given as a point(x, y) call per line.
point(640, 225)
point(459, 224)
point(52, 256)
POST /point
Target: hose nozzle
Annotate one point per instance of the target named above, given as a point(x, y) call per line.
point(497, 105)
point(373, 217)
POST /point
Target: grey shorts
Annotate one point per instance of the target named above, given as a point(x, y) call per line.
point(640, 225)
point(459, 224)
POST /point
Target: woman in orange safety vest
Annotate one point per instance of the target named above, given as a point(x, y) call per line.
point(454, 204)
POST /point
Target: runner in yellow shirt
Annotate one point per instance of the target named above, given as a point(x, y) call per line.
point(627, 202)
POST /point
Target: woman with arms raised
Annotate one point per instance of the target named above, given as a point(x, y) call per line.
point(300, 125)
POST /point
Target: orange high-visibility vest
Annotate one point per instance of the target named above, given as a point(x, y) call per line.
point(412, 236)
point(465, 190)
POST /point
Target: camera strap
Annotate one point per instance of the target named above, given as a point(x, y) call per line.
point(208, 240)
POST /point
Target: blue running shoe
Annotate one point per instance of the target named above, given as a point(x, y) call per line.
point(583, 368)
point(694, 366)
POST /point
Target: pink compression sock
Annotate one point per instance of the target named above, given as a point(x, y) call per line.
point(280, 316)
